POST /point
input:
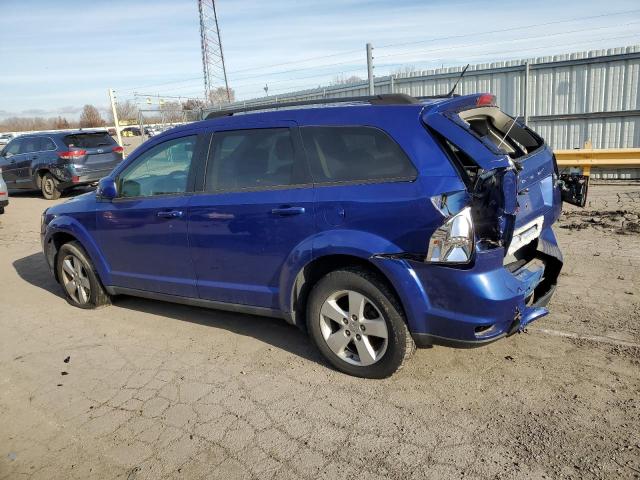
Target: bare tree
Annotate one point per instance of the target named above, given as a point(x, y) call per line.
point(171, 112)
point(193, 104)
point(342, 79)
point(126, 110)
point(90, 117)
point(60, 123)
point(27, 124)
point(219, 96)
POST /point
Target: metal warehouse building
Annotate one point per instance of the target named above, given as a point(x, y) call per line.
point(571, 99)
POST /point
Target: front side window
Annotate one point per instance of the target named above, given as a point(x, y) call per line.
point(163, 170)
point(14, 147)
point(249, 159)
point(351, 154)
point(30, 145)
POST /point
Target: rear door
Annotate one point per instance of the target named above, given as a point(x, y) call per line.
point(521, 161)
point(256, 207)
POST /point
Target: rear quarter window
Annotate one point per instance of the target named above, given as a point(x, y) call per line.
point(88, 140)
point(353, 154)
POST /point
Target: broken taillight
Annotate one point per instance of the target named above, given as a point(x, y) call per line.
point(453, 242)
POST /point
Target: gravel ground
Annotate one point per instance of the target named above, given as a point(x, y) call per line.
point(144, 389)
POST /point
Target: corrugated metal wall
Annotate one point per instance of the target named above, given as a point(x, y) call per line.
point(573, 98)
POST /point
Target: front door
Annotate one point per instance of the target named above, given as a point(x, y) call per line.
point(13, 157)
point(256, 208)
point(143, 232)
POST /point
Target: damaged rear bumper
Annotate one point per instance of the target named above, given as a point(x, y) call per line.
point(469, 307)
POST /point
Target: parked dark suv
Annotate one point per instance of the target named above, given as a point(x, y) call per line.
point(54, 162)
point(375, 226)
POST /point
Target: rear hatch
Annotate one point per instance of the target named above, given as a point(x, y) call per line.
point(93, 151)
point(510, 172)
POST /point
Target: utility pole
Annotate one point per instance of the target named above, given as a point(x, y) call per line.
point(112, 98)
point(526, 93)
point(213, 67)
point(370, 68)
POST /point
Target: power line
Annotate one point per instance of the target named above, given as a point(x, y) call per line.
point(510, 29)
point(511, 40)
point(346, 52)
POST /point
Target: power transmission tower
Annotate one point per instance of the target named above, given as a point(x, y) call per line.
point(212, 57)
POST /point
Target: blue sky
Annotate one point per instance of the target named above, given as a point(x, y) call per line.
point(57, 56)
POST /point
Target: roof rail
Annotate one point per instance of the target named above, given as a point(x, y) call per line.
point(383, 99)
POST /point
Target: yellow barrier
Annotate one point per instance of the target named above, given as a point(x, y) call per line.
point(591, 157)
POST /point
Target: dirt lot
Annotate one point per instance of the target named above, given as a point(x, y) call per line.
point(154, 390)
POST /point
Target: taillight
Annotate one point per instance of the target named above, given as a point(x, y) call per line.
point(118, 149)
point(72, 154)
point(453, 241)
point(486, 100)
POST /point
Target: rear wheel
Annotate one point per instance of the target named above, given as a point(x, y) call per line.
point(49, 187)
point(358, 325)
point(1, 210)
point(78, 278)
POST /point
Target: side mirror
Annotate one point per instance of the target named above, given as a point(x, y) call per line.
point(107, 189)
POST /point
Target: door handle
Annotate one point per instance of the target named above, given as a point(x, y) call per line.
point(287, 211)
point(170, 214)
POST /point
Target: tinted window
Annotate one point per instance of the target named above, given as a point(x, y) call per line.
point(88, 140)
point(344, 154)
point(30, 144)
point(163, 170)
point(46, 144)
point(252, 159)
point(14, 147)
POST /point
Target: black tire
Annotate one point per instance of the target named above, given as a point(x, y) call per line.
point(49, 187)
point(399, 346)
point(97, 296)
point(1, 210)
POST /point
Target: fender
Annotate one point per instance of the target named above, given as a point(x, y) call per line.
point(68, 225)
point(354, 243)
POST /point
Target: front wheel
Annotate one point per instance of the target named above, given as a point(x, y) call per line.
point(358, 324)
point(78, 278)
point(49, 187)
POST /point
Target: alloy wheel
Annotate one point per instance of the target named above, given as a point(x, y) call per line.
point(75, 280)
point(49, 185)
point(354, 328)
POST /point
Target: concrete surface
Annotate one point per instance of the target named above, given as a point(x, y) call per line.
point(154, 390)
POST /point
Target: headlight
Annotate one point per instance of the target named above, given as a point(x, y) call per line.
point(453, 241)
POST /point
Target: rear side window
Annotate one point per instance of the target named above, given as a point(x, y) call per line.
point(349, 154)
point(250, 159)
point(46, 144)
point(88, 140)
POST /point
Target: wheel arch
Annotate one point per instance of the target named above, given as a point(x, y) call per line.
point(313, 271)
point(62, 230)
point(38, 174)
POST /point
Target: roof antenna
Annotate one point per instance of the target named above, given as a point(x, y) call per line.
point(453, 90)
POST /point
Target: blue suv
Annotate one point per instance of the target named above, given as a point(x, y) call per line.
point(375, 224)
point(54, 162)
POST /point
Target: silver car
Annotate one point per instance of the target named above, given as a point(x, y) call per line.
point(4, 194)
point(6, 138)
